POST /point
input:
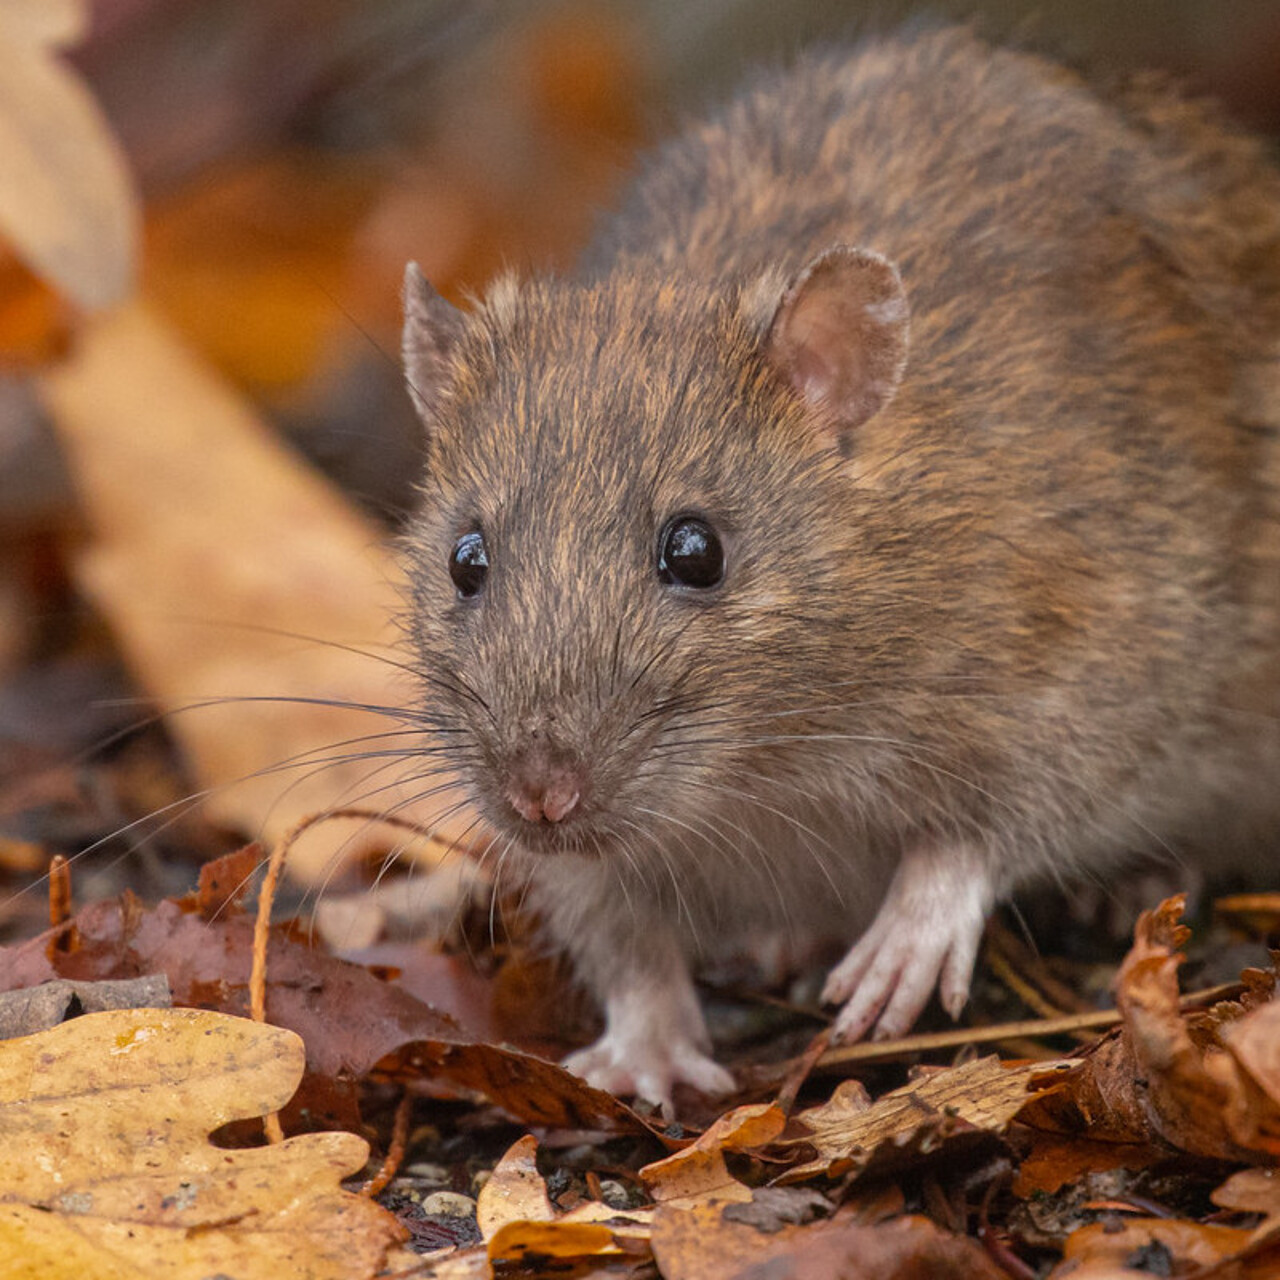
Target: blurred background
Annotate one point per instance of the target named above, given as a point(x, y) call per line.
point(287, 158)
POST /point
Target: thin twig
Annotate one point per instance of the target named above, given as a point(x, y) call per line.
point(395, 1151)
point(266, 899)
point(873, 1051)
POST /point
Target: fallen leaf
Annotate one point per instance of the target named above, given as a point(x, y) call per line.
point(248, 272)
point(1160, 1246)
point(984, 1094)
point(67, 202)
point(107, 1170)
point(351, 1021)
point(1253, 1078)
point(1204, 1082)
point(520, 1224)
point(1253, 1191)
point(250, 599)
point(698, 1173)
point(515, 1191)
point(706, 1243)
point(1055, 1160)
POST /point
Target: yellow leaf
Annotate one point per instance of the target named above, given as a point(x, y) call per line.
point(107, 1171)
point(515, 1191)
point(519, 1222)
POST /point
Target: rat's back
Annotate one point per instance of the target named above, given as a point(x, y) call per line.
point(1094, 281)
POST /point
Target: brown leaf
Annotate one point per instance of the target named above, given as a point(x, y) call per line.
point(1253, 1191)
point(350, 1020)
point(1205, 1083)
point(225, 881)
point(984, 1094)
point(1163, 1246)
point(1055, 1160)
point(515, 1191)
point(530, 1088)
point(699, 1173)
point(705, 1243)
point(107, 1170)
point(1253, 1077)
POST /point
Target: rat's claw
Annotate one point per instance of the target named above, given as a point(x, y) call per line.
point(926, 934)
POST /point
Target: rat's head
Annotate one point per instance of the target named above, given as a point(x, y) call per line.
point(631, 532)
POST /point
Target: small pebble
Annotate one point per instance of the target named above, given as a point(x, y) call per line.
point(615, 1194)
point(449, 1204)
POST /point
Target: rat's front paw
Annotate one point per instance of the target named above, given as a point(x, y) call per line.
point(926, 934)
point(648, 1069)
point(654, 1040)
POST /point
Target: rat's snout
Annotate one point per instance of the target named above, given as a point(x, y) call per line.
point(545, 785)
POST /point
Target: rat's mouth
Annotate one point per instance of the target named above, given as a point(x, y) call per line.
point(553, 838)
point(544, 800)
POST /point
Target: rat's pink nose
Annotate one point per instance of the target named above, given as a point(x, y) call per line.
point(544, 791)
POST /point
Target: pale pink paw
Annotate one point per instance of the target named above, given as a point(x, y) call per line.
point(654, 1039)
point(650, 1070)
point(926, 934)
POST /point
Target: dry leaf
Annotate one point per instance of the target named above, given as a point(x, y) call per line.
point(984, 1094)
point(1057, 1159)
point(237, 578)
point(515, 1191)
point(67, 203)
point(707, 1243)
point(1207, 1083)
point(1160, 1246)
point(350, 1020)
point(1253, 1191)
point(699, 1173)
point(1253, 1041)
point(519, 1222)
point(107, 1170)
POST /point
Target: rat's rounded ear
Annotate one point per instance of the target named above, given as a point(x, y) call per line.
point(839, 335)
point(432, 331)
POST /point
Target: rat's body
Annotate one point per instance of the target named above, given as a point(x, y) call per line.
point(1000, 590)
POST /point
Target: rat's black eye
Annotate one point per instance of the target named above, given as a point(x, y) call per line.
point(469, 564)
point(690, 554)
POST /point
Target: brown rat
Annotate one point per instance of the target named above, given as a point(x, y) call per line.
point(886, 517)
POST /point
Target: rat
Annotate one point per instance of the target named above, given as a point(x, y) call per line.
point(883, 517)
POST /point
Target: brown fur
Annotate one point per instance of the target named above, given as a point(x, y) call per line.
point(1030, 606)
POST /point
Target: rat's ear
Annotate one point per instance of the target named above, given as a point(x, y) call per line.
point(839, 335)
point(432, 330)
